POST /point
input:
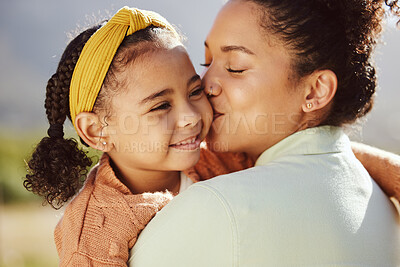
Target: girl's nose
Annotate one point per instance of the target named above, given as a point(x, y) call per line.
point(188, 117)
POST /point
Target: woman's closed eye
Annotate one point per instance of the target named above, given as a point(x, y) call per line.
point(231, 70)
point(234, 70)
point(162, 106)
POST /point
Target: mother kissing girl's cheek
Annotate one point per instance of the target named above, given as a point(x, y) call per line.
point(284, 78)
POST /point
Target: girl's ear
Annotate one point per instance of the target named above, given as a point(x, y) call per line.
point(90, 129)
point(322, 89)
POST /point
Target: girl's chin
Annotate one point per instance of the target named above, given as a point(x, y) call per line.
point(186, 159)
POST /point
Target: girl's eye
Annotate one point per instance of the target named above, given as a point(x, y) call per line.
point(197, 91)
point(163, 106)
point(234, 71)
point(205, 65)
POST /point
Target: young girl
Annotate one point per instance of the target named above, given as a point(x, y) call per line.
point(131, 91)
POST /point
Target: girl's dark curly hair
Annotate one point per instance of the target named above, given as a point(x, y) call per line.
point(332, 34)
point(58, 167)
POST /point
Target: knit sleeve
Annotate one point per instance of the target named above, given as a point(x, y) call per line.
point(78, 260)
point(212, 164)
point(111, 225)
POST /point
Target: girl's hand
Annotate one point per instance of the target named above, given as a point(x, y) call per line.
point(383, 166)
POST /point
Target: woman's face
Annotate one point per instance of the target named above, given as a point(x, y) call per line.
point(254, 97)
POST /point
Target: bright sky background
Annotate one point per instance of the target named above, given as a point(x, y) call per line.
point(34, 33)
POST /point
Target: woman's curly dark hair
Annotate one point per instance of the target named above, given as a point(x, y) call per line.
point(332, 34)
point(58, 167)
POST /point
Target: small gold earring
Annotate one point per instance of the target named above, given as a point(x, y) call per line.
point(309, 105)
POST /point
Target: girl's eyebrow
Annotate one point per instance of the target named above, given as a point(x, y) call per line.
point(156, 95)
point(168, 91)
point(192, 80)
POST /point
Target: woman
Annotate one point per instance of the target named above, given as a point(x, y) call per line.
point(283, 77)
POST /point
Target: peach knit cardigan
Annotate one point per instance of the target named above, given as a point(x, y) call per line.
point(103, 221)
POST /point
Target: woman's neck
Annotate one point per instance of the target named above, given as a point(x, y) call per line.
point(255, 152)
point(141, 181)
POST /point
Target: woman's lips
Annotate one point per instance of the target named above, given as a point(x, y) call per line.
point(217, 115)
point(191, 143)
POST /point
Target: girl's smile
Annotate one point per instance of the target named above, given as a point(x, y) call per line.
point(189, 143)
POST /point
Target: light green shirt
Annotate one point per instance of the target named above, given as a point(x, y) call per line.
point(307, 202)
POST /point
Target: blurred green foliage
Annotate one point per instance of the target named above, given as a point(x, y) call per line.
point(15, 151)
point(24, 244)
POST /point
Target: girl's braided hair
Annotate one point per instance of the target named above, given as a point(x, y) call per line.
point(58, 167)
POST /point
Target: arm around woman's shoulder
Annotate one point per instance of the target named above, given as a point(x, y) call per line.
point(383, 166)
point(212, 164)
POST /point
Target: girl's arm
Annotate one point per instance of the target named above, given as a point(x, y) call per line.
point(383, 166)
point(212, 164)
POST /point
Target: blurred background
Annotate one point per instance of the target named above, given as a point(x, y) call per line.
point(33, 35)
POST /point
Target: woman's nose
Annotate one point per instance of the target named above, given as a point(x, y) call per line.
point(212, 90)
point(210, 82)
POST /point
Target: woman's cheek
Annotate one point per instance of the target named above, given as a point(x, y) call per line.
point(206, 112)
point(239, 95)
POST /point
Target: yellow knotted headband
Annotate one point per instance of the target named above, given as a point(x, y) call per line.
point(98, 53)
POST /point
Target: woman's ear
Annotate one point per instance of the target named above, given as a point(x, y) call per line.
point(322, 89)
point(90, 129)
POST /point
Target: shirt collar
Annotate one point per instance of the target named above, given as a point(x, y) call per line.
point(312, 141)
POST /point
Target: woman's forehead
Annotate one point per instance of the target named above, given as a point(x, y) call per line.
point(237, 24)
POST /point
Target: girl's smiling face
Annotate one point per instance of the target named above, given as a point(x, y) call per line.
point(158, 122)
point(254, 99)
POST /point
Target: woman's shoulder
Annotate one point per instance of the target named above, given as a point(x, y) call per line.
point(286, 181)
